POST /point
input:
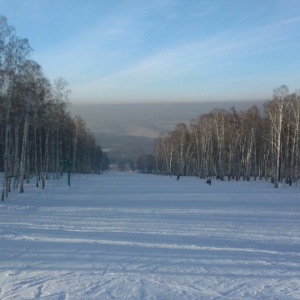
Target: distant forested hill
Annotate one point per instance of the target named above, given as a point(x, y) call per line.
point(130, 129)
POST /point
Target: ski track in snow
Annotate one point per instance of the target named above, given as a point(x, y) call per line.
point(134, 236)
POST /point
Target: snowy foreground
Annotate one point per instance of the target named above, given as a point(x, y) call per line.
point(133, 236)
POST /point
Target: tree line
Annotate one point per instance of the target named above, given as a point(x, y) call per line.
point(229, 144)
point(37, 133)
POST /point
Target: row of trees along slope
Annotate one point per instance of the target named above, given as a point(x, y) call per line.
point(234, 144)
point(36, 131)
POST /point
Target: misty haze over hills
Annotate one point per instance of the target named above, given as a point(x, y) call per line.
point(129, 130)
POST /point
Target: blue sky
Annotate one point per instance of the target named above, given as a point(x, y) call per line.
point(163, 50)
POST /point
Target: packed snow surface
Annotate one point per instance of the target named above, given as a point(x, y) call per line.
point(134, 236)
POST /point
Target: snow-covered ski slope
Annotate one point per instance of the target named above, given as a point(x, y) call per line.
point(134, 236)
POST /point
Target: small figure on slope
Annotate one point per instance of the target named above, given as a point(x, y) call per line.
point(208, 181)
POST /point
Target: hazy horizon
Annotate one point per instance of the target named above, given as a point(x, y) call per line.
point(147, 119)
point(128, 130)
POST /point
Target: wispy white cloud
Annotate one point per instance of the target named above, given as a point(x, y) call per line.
point(173, 68)
point(165, 48)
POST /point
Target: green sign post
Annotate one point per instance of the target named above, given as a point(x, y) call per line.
point(68, 164)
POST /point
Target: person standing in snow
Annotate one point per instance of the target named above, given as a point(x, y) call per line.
point(208, 181)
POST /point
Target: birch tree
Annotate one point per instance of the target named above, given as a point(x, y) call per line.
point(294, 112)
point(13, 53)
point(60, 95)
point(275, 111)
point(219, 134)
point(183, 145)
